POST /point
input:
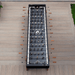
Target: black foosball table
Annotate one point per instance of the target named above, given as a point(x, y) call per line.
point(37, 40)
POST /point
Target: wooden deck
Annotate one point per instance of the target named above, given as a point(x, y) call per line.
point(13, 39)
point(21, 70)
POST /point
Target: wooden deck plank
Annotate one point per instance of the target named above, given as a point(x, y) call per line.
point(11, 63)
point(29, 72)
point(24, 70)
point(65, 68)
point(73, 69)
point(61, 70)
point(33, 71)
point(8, 69)
point(57, 70)
point(20, 58)
point(0, 69)
point(70, 70)
point(63, 63)
point(3, 71)
point(44, 72)
point(62, 58)
point(52, 70)
point(21, 69)
point(38, 71)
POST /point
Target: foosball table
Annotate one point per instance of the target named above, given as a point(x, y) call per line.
point(37, 38)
